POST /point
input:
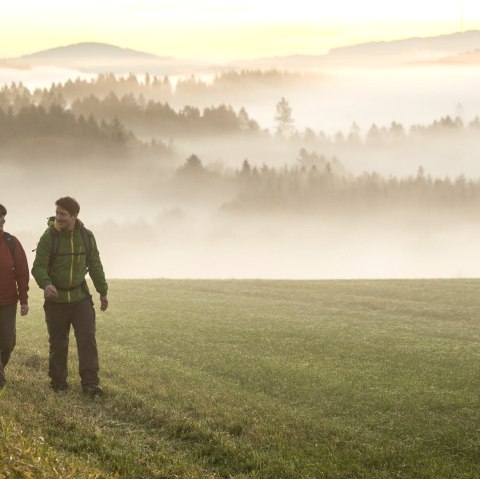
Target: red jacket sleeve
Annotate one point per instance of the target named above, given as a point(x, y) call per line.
point(22, 274)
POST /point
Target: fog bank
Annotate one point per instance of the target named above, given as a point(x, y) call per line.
point(286, 215)
point(191, 245)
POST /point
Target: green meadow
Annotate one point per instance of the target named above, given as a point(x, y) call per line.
point(257, 379)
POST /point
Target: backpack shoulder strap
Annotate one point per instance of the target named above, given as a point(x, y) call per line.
point(9, 239)
point(87, 242)
point(54, 248)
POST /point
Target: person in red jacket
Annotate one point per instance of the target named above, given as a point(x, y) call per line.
point(14, 276)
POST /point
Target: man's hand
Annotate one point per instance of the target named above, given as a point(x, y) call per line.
point(24, 309)
point(50, 292)
point(103, 303)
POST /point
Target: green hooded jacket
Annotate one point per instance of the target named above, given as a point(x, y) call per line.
point(70, 267)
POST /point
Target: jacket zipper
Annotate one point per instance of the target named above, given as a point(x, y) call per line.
point(71, 265)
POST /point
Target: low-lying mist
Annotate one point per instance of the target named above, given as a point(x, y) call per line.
point(150, 226)
point(192, 245)
point(177, 191)
point(213, 247)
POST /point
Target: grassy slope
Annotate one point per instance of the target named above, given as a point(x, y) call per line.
point(258, 379)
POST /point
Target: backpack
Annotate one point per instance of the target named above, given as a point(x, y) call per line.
point(54, 251)
point(10, 243)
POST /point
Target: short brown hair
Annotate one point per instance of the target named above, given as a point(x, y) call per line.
point(3, 210)
point(70, 204)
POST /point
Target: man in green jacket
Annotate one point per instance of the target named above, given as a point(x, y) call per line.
point(65, 253)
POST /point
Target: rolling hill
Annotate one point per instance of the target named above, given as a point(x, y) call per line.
point(102, 57)
point(455, 48)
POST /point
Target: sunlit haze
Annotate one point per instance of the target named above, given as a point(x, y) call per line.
point(255, 146)
point(220, 30)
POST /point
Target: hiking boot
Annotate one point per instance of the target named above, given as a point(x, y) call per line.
point(59, 387)
point(92, 390)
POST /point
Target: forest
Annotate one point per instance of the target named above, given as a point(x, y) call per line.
point(223, 156)
point(206, 189)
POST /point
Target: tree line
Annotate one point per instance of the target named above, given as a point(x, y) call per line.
point(159, 119)
point(158, 88)
point(33, 121)
point(326, 187)
point(154, 118)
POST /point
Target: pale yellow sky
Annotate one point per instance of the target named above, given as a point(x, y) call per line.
point(228, 29)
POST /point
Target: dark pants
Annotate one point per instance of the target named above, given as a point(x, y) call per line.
point(7, 336)
point(81, 316)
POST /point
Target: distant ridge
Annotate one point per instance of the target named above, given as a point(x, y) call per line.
point(91, 50)
point(94, 57)
point(452, 43)
point(468, 58)
point(404, 52)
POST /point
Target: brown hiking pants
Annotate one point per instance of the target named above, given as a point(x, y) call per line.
point(59, 317)
point(7, 336)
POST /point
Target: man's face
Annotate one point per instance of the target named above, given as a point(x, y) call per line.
point(64, 219)
point(2, 221)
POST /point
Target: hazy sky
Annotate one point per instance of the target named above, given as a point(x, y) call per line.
point(220, 30)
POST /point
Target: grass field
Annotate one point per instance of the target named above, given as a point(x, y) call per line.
point(257, 379)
